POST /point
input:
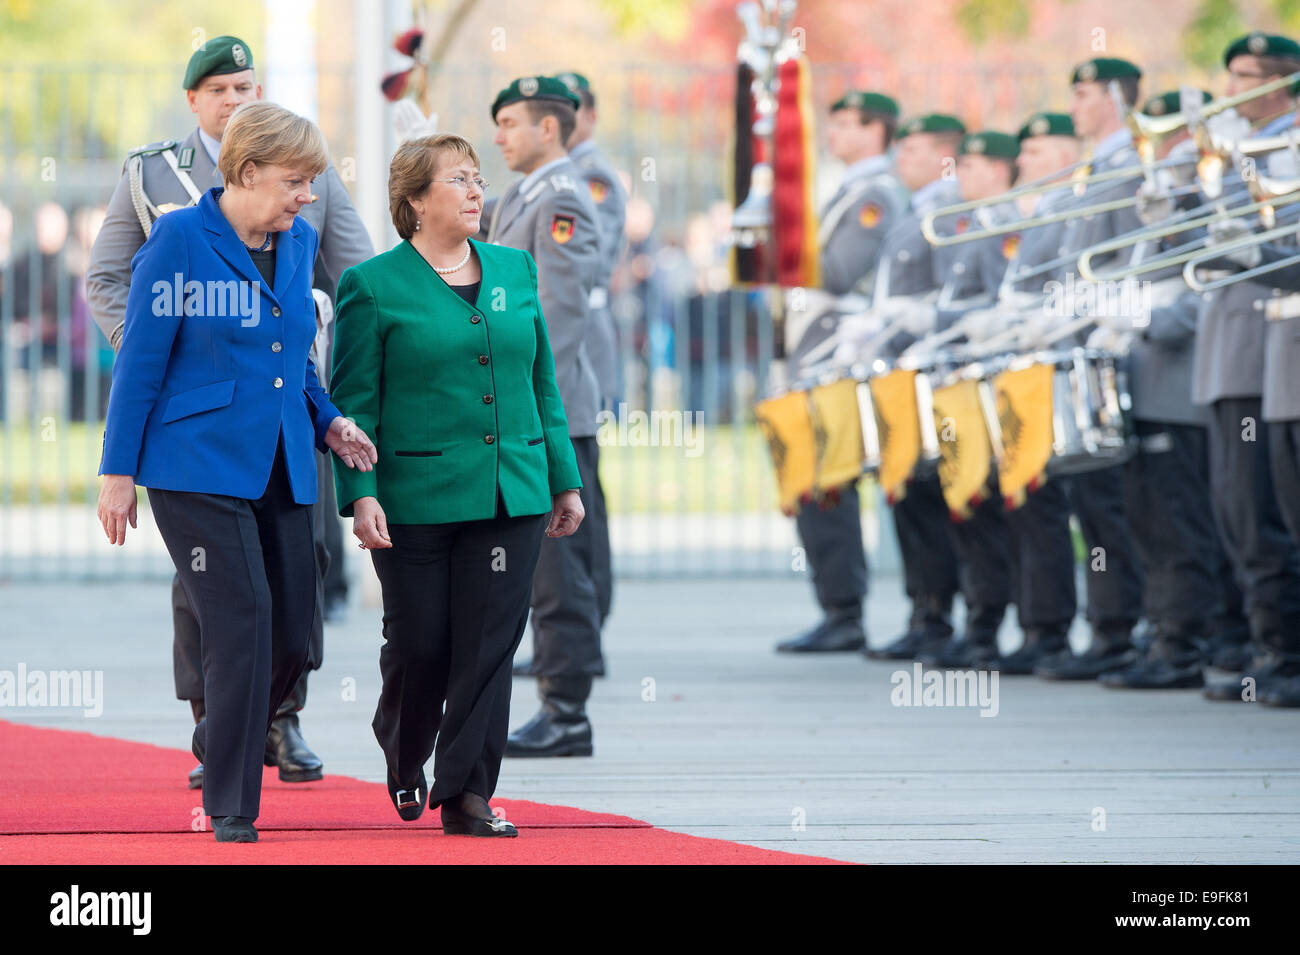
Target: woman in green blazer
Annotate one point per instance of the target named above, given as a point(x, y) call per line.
point(441, 356)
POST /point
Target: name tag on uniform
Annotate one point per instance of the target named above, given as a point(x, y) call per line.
point(1284, 307)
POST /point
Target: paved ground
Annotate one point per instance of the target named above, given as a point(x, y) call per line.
point(736, 742)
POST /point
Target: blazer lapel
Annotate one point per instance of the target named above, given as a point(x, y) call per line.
point(288, 257)
point(439, 284)
point(225, 243)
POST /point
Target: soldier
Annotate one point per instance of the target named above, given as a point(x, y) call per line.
point(550, 214)
point(853, 226)
point(170, 175)
point(1229, 371)
point(925, 162)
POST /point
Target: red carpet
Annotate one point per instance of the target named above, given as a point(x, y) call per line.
point(66, 798)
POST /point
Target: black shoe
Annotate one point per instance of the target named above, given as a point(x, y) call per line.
point(968, 653)
point(286, 748)
point(561, 727)
point(523, 668)
point(1174, 660)
point(457, 822)
point(1038, 645)
point(196, 777)
point(234, 829)
point(409, 802)
point(1267, 672)
point(196, 745)
point(832, 635)
point(910, 646)
point(1282, 693)
point(1234, 656)
point(1104, 655)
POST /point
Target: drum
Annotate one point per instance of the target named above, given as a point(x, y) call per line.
point(931, 373)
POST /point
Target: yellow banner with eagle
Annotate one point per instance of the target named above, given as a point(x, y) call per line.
point(1024, 403)
point(900, 430)
point(787, 425)
point(838, 433)
point(966, 452)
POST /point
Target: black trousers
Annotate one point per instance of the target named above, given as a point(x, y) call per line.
point(602, 568)
point(1284, 461)
point(187, 658)
point(1167, 495)
point(1251, 524)
point(1042, 560)
point(983, 547)
point(566, 606)
point(832, 543)
point(248, 569)
point(455, 604)
point(930, 574)
point(1112, 573)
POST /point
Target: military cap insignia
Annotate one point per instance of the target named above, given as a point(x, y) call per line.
point(238, 55)
point(1257, 44)
point(1087, 72)
point(915, 126)
point(1040, 126)
point(1010, 246)
point(975, 146)
point(854, 100)
point(869, 215)
point(598, 190)
point(562, 228)
point(528, 86)
point(1156, 107)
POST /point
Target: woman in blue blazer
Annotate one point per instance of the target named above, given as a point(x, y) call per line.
point(216, 409)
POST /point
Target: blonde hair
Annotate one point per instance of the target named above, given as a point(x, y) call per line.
point(414, 165)
point(270, 135)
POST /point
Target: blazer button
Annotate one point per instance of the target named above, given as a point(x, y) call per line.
point(276, 346)
point(275, 310)
point(279, 382)
point(487, 399)
point(474, 320)
point(488, 438)
point(482, 359)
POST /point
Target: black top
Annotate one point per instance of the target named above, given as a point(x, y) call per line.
point(265, 262)
point(468, 292)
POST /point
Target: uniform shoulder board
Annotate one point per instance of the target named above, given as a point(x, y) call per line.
point(152, 148)
point(562, 182)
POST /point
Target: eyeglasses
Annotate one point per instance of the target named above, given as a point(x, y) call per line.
point(460, 182)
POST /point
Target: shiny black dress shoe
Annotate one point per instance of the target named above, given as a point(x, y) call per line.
point(457, 822)
point(196, 777)
point(842, 635)
point(1097, 659)
point(975, 653)
point(1169, 663)
point(552, 733)
point(909, 646)
point(234, 829)
point(409, 803)
point(1268, 672)
point(286, 749)
point(1038, 645)
point(1284, 693)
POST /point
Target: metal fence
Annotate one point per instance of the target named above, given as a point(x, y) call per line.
point(689, 484)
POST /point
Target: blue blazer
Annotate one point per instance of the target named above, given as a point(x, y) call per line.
point(214, 368)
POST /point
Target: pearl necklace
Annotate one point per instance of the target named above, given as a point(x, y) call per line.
point(458, 266)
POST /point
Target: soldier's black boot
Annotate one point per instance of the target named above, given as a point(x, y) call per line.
point(977, 648)
point(561, 727)
point(1175, 660)
point(196, 774)
point(286, 749)
point(841, 631)
point(929, 628)
point(1109, 650)
point(1277, 660)
point(1039, 644)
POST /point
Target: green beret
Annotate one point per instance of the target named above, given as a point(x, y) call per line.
point(1262, 44)
point(991, 144)
point(1171, 102)
point(1104, 68)
point(574, 81)
point(932, 123)
point(859, 99)
point(1047, 124)
point(220, 55)
point(535, 88)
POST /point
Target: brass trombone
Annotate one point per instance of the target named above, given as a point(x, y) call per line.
point(1226, 248)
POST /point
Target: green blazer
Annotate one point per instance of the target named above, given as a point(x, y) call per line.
point(459, 399)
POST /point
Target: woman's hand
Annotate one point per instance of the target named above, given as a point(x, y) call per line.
point(351, 444)
point(369, 524)
point(566, 514)
point(116, 506)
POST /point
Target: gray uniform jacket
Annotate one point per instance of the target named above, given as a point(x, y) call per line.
point(1230, 332)
point(555, 221)
point(906, 259)
point(343, 238)
point(1282, 338)
point(611, 210)
point(854, 225)
point(1160, 357)
point(970, 274)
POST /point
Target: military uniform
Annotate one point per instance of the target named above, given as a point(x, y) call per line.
point(550, 214)
point(170, 175)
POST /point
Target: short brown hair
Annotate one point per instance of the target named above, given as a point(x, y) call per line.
point(270, 135)
point(414, 166)
point(565, 115)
